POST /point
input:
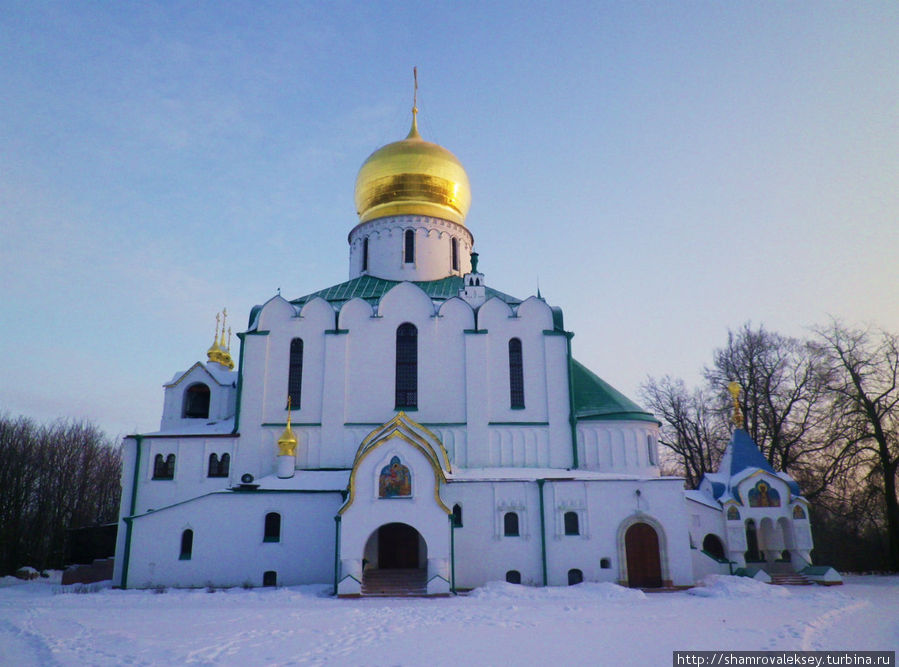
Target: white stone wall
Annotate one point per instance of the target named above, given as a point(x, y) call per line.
point(618, 446)
point(222, 400)
point(433, 248)
point(228, 547)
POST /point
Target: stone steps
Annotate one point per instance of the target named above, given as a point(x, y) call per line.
point(395, 583)
point(791, 579)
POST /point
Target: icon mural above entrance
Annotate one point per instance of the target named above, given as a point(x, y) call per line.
point(395, 480)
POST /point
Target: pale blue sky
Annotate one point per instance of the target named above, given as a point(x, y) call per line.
point(664, 170)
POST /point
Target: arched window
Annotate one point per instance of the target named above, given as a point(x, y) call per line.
point(516, 374)
point(187, 544)
point(455, 254)
point(651, 449)
point(409, 246)
point(272, 527)
point(164, 468)
point(365, 254)
point(575, 577)
point(295, 375)
point(196, 402)
point(713, 546)
point(510, 524)
point(513, 577)
point(270, 578)
point(406, 366)
point(218, 467)
point(572, 525)
point(457, 515)
point(605, 563)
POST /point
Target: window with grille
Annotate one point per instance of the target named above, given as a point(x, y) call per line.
point(406, 366)
point(295, 375)
point(572, 525)
point(196, 402)
point(219, 467)
point(516, 374)
point(510, 524)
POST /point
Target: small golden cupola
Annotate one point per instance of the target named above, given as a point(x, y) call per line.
point(412, 177)
point(220, 350)
point(287, 443)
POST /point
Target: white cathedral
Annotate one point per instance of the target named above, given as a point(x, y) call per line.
point(414, 430)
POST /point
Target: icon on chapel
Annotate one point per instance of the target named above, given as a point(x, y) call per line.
point(733, 514)
point(762, 495)
point(396, 480)
point(798, 512)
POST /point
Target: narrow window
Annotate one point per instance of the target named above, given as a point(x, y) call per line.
point(510, 524)
point(457, 515)
point(513, 577)
point(605, 563)
point(272, 527)
point(651, 450)
point(409, 255)
point(572, 526)
point(170, 466)
point(365, 254)
point(407, 366)
point(295, 376)
point(575, 577)
point(187, 544)
point(270, 578)
point(196, 402)
point(516, 374)
point(455, 246)
point(224, 465)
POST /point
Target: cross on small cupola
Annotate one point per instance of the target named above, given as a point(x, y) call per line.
point(474, 288)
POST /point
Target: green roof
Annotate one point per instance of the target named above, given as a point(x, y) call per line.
point(372, 289)
point(596, 399)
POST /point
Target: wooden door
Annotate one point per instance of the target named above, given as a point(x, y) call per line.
point(644, 565)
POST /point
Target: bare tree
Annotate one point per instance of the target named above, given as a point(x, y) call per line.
point(863, 378)
point(691, 430)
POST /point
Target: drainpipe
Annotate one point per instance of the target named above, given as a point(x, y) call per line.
point(138, 439)
point(336, 550)
point(540, 483)
point(452, 554)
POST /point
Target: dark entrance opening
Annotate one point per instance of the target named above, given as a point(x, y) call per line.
point(397, 547)
point(644, 565)
point(752, 555)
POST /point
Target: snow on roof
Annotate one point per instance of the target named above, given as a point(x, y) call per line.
point(702, 499)
point(307, 480)
point(222, 427)
point(551, 474)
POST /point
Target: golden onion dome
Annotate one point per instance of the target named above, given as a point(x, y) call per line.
point(412, 177)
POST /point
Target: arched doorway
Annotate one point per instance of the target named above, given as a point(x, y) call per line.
point(713, 546)
point(644, 566)
point(753, 555)
point(399, 547)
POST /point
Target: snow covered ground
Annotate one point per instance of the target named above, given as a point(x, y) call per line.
point(43, 623)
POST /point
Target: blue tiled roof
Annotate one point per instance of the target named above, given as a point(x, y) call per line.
point(745, 454)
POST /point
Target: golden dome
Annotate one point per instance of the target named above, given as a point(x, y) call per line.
point(412, 177)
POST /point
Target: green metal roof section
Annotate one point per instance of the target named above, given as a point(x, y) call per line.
point(372, 289)
point(595, 399)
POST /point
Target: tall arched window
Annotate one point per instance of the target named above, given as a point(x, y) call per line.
point(455, 254)
point(572, 525)
point(365, 254)
point(272, 527)
point(295, 375)
point(196, 402)
point(510, 524)
point(516, 374)
point(406, 366)
point(187, 544)
point(409, 246)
